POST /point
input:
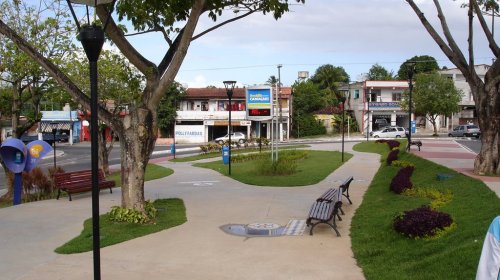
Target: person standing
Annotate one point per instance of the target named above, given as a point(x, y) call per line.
point(489, 263)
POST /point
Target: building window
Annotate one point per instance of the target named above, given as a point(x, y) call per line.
point(396, 96)
point(356, 94)
point(191, 106)
point(204, 105)
point(222, 106)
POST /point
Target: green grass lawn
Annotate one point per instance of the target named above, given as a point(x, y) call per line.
point(234, 151)
point(153, 172)
point(382, 253)
point(171, 213)
point(311, 170)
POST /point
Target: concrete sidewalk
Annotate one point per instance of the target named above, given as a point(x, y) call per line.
point(449, 153)
point(198, 249)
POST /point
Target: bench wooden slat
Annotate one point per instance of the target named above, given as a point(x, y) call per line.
point(80, 181)
point(329, 195)
point(322, 212)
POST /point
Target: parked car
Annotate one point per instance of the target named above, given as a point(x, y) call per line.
point(47, 137)
point(239, 137)
point(390, 132)
point(467, 130)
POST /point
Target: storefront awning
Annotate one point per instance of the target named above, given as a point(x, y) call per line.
point(47, 126)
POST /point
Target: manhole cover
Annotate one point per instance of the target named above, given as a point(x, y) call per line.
point(255, 229)
point(264, 229)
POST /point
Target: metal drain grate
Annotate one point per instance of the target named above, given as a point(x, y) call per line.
point(254, 229)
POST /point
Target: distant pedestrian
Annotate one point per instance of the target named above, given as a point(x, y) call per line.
point(489, 263)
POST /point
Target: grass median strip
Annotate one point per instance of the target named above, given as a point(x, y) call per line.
point(171, 213)
point(383, 253)
point(153, 172)
point(234, 151)
point(310, 170)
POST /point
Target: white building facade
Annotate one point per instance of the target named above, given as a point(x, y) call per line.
point(376, 104)
point(204, 115)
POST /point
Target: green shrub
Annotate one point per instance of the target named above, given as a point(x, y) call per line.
point(280, 167)
point(438, 198)
point(402, 163)
point(262, 141)
point(293, 154)
point(248, 157)
point(126, 215)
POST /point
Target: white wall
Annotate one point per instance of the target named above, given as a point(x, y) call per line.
point(189, 133)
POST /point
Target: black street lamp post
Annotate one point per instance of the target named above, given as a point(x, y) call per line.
point(342, 100)
point(410, 69)
point(54, 126)
point(92, 38)
point(229, 91)
point(368, 99)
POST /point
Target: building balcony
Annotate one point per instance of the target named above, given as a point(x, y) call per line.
point(218, 115)
point(392, 105)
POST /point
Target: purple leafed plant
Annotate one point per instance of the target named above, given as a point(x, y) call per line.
point(393, 144)
point(392, 156)
point(402, 181)
point(422, 222)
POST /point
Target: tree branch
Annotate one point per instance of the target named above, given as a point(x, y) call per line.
point(222, 24)
point(162, 67)
point(470, 39)
point(145, 66)
point(456, 58)
point(53, 70)
point(180, 53)
point(492, 43)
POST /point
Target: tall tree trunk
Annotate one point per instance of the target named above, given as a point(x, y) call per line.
point(16, 108)
point(137, 141)
point(488, 109)
point(434, 126)
point(103, 152)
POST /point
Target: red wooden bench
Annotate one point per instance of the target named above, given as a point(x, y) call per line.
point(79, 181)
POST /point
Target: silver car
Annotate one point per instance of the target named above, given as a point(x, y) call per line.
point(390, 132)
point(235, 137)
point(467, 130)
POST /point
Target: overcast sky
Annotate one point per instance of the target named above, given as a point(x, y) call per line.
point(354, 34)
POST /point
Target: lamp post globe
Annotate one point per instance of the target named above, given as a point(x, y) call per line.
point(229, 85)
point(92, 38)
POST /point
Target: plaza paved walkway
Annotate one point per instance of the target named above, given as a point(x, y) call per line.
point(199, 249)
point(451, 154)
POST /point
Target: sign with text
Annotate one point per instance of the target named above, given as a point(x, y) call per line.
point(189, 133)
point(259, 103)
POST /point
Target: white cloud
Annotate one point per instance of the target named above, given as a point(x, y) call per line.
point(353, 34)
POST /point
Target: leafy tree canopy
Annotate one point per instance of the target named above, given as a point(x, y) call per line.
point(433, 95)
point(379, 73)
point(146, 15)
point(425, 64)
point(307, 97)
point(168, 107)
